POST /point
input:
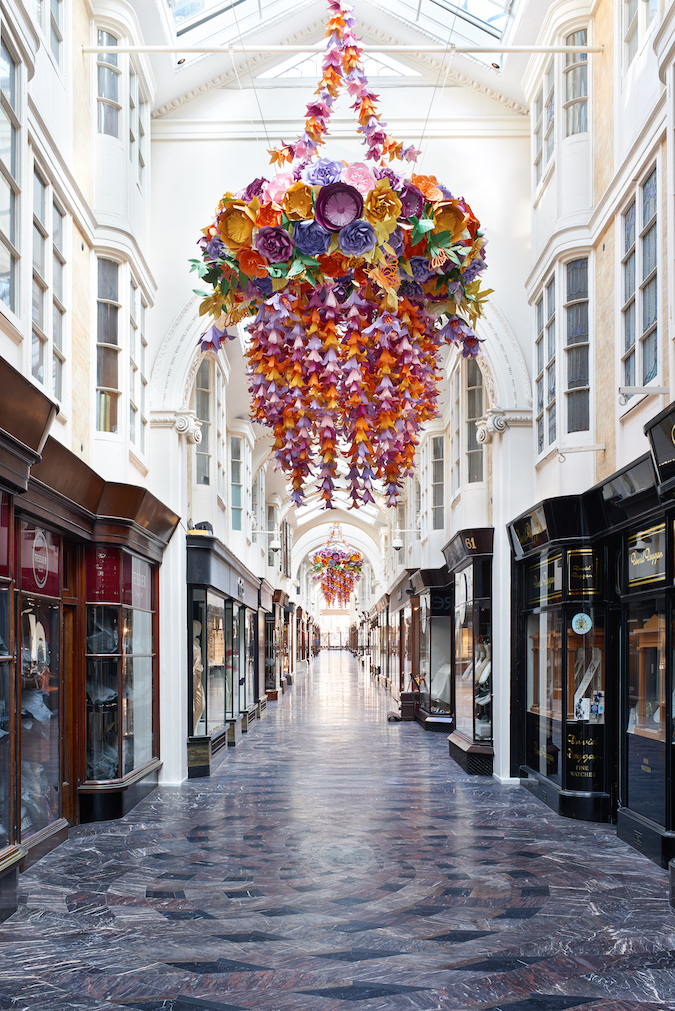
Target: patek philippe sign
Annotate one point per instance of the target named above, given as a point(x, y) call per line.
point(583, 572)
point(647, 556)
point(544, 581)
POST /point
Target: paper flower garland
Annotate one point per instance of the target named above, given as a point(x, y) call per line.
point(338, 567)
point(355, 277)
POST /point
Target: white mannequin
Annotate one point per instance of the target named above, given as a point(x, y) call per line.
point(197, 671)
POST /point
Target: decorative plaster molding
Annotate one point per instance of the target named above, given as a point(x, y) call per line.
point(495, 421)
point(259, 61)
point(185, 422)
point(511, 354)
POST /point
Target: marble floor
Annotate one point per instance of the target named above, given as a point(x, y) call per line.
point(335, 860)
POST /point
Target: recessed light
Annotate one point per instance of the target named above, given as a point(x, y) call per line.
point(181, 61)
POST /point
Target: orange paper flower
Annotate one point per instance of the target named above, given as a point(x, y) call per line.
point(298, 202)
point(235, 224)
point(382, 206)
point(449, 218)
point(268, 215)
point(251, 262)
point(333, 264)
point(429, 187)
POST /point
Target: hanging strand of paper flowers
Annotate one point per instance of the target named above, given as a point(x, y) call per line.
point(338, 567)
point(355, 277)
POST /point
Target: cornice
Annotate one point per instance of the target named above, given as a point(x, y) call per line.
point(259, 61)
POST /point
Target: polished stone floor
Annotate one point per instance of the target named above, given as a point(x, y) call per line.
point(336, 859)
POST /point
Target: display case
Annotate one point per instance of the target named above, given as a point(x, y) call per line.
point(435, 708)
point(120, 686)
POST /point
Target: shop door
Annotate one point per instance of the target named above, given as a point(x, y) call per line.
point(72, 723)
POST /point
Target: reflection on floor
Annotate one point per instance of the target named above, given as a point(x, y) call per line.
point(339, 859)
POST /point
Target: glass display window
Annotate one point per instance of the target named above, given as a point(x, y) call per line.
point(270, 673)
point(40, 702)
point(646, 710)
point(197, 654)
point(215, 662)
point(120, 664)
point(6, 728)
point(435, 651)
point(5, 527)
point(464, 652)
point(251, 646)
point(545, 693)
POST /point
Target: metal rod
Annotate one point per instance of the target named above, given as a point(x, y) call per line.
point(253, 48)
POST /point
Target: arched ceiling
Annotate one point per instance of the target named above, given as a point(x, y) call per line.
point(313, 536)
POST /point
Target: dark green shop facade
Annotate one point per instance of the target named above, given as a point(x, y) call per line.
point(593, 664)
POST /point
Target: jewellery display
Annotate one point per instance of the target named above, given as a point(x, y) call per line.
point(355, 276)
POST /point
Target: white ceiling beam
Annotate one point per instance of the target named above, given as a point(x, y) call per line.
point(247, 49)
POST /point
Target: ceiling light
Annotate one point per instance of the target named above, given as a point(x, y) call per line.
point(495, 65)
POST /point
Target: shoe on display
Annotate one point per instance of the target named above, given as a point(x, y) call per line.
point(482, 700)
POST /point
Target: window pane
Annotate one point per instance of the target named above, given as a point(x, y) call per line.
point(550, 372)
point(107, 323)
point(8, 76)
point(6, 276)
point(106, 39)
point(108, 119)
point(629, 327)
point(106, 368)
point(540, 355)
point(202, 468)
point(577, 323)
point(38, 198)
point(629, 277)
point(550, 340)
point(57, 228)
point(577, 368)
point(437, 448)
point(57, 329)
point(38, 251)
point(577, 118)
point(577, 280)
point(540, 394)
point(57, 377)
point(236, 496)
point(649, 357)
point(540, 315)
point(629, 228)
point(236, 519)
point(54, 42)
point(540, 435)
point(474, 403)
point(57, 278)
point(108, 273)
point(576, 81)
point(649, 252)
point(437, 518)
point(235, 449)
point(649, 305)
point(108, 83)
point(132, 423)
point(629, 370)
point(437, 477)
point(649, 199)
point(202, 405)
point(7, 142)
point(551, 425)
point(38, 305)
point(577, 412)
point(475, 466)
point(37, 358)
point(550, 298)
point(106, 411)
point(236, 472)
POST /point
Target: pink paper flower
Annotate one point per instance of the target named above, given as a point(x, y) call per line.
point(275, 190)
point(360, 177)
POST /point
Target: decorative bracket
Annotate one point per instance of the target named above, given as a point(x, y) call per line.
point(495, 421)
point(188, 424)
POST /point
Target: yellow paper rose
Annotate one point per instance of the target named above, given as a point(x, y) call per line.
point(382, 208)
point(235, 225)
point(297, 202)
point(449, 218)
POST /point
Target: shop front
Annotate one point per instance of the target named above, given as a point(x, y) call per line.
point(435, 704)
point(266, 680)
point(562, 658)
point(402, 636)
point(222, 657)
point(468, 557)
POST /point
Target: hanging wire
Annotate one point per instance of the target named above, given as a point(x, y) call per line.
point(438, 77)
point(250, 74)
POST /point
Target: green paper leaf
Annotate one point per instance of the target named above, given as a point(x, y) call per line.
point(295, 268)
point(224, 286)
point(202, 294)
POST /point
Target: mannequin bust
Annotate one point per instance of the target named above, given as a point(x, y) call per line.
point(197, 671)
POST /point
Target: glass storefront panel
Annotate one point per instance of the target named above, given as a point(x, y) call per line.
point(464, 652)
point(440, 664)
point(137, 632)
point(424, 651)
point(251, 642)
point(103, 632)
point(407, 650)
point(102, 719)
point(40, 704)
point(270, 632)
point(198, 722)
point(136, 712)
point(215, 665)
point(482, 666)
point(585, 740)
point(5, 668)
point(646, 707)
point(545, 693)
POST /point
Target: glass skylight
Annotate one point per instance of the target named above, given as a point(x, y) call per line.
point(223, 21)
point(472, 22)
point(301, 66)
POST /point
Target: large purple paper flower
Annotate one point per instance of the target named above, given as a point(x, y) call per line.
point(412, 201)
point(396, 241)
point(274, 244)
point(472, 271)
point(338, 205)
point(264, 285)
point(215, 249)
point(254, 189)
point(387, 172)
point(322, 172)
point(420, 268)
point(411, 289)
point(310, 238)
point(357, 238)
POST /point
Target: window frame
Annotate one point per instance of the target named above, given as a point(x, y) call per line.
point(471, 422)
point(12, 175)
point(108, 345)
point(568, 306)
point(641, 281)
point(544, 149)
point(637, 29)
point(203, 448)
point(108, 62)
point(576, 62)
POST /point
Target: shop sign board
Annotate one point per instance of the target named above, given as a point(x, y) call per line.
point(136, 582)
point(647, 556)
point(583, 572)
point(40, 553)
point(544, 581)
point(585, 756)
point(531, 530)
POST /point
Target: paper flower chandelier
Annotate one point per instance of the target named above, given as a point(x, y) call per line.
point(338, 567)
point(355, 276)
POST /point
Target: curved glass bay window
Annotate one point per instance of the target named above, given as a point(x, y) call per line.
point(39, 631)
point(218, 683)
point(435, 651)
point(121, 664)
point(473, 652)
